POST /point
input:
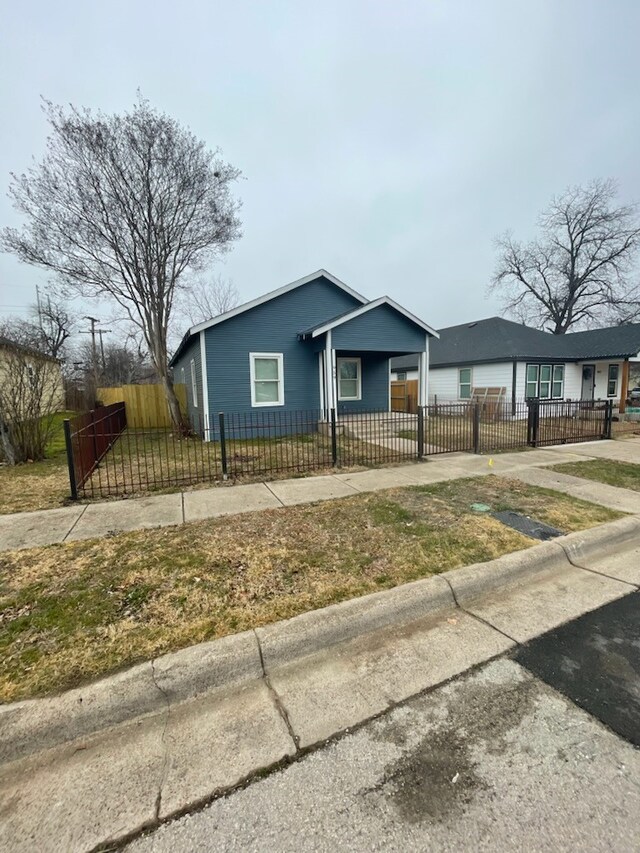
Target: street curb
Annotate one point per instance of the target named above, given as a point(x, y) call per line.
point(309, 633)
point(150, 688)
point(597, 542)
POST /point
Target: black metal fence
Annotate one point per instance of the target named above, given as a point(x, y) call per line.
point(107, 458)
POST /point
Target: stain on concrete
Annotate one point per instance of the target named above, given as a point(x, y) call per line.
point(437, 777)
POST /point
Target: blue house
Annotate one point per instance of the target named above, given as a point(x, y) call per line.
point(311, 346)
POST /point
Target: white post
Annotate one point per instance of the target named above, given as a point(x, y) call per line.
point(334, 380)
point(426, 372)
point(328, 368)
point(321, 381)
point(422, 370)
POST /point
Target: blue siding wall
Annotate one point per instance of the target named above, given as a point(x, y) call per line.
point(381, 329)
point(191, 351)
point(375, 382)
point(272, 327)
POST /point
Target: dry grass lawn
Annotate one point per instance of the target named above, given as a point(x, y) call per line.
point(70, 613)
point(625, 475)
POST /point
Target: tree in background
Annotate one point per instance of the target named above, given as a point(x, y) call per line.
point(208, 298)
point(126, 207)
point(48, 328)
point(579, 270)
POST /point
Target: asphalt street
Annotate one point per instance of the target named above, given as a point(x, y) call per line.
point(530, 753)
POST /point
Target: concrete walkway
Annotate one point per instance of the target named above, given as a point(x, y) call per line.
point(48, 527)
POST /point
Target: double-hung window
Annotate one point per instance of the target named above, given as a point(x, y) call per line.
point(545, 381)
point(194, 384)
point(349, 378)
point(612, 380)
point(464, 383)
point(267, 378)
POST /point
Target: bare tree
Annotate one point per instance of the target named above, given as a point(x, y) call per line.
point(579, 268)
point(208, 298)
point(126, 206)
point(30, 394)
point(47, 331)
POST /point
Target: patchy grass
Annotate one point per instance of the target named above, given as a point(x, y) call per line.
point(73, 612)
point(37, 485)
point(626, 475)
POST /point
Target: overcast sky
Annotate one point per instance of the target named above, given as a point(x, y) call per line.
point(387, 142)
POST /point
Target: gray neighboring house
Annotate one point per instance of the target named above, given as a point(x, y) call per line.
point(310, 346)
point(527, 363)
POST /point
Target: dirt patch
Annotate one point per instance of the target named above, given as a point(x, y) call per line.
point(436, 778)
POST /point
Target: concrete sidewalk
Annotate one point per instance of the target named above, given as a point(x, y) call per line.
point(84, 790)
point(48, 527)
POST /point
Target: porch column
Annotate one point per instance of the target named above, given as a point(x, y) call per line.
point(423, 368)
point(329, 367)
point(624, 386)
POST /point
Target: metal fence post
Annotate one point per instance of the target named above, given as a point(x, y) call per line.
point(334, 438)
point(533, 422)
point(223, 446)
point(70, 463)
point(608, 419)
point(476, 427)
point(420, 432)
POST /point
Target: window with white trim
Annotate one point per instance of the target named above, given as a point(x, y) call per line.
point(545, 381)
point(349, 378)
point(464, 383)
point(194, 384)
point(267, 378)
point(612, 380)
point(401, 376)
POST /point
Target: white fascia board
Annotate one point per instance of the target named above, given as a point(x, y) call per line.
point(357, 312)
point(272, 295)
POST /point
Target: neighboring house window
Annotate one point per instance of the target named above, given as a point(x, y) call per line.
point(612, 380)
point(194, 384)
point(267, 383)
point(533, 372)
point(464, 383)
point(349, 379)
point(401, 376)
point(557, 390)
point(545, 381)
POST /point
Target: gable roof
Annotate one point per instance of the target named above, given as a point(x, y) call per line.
point(496, 339)
point(266, 297)
point(347, 316)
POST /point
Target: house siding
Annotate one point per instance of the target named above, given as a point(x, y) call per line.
point(191, 352)
point(443, 381)
point(375, 382)
point(273, 326)
point(381, 329)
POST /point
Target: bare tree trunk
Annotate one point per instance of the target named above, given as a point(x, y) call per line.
point(175, 412)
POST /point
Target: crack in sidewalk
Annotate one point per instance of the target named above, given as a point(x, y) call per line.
point(165, 762)
point(276, 698)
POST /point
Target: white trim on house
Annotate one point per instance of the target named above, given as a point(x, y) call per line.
point(247, 306)
point(375, 303)
point(194, 384)
point(358, 361)
point(321, 383)
point(205, 386)
point(252, 375)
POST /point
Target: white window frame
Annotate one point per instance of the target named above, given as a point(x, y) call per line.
point(469, 383)
point(194, 384)
point(538, 382)
point(610, 380)
point(358, 361)
point(401, 376)
point(257, 404)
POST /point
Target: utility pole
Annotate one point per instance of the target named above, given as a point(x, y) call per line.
point(94, 353)
point(102, 332)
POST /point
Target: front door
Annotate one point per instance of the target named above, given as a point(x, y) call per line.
point(588, 381)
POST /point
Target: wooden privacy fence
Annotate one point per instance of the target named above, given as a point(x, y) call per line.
point(146, 404)
point(404, 396)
